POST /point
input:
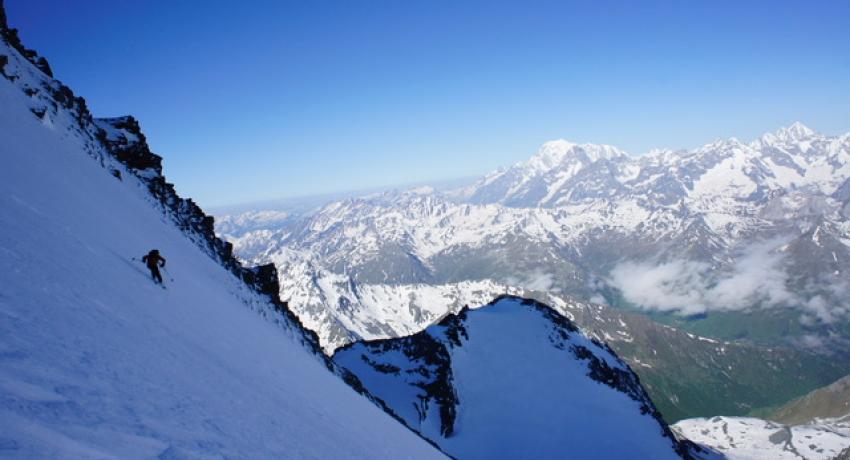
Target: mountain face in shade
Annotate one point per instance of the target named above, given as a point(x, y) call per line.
point(513, 379)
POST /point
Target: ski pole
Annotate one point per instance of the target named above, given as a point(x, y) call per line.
point(169, 274)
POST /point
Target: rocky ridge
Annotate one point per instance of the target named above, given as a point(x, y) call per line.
point(457, 384)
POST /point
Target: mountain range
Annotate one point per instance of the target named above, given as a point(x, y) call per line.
point(742, 243)
point(725, 228)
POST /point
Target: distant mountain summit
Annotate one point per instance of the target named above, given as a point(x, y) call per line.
point(796, 132)
point(562, 173)
point(538, 180)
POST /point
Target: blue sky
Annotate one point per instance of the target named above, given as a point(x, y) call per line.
point(251, 101)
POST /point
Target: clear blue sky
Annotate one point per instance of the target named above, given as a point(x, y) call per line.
point(268, 99)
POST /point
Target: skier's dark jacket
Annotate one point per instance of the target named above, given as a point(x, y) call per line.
point(153, 259)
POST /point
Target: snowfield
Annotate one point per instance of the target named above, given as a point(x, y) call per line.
point(744, 438)
point(96, 361)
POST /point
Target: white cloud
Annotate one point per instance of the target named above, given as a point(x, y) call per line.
point(537, 280)
point(598, 298)
point(677, 285)
point(757, 278)
point(811, 341)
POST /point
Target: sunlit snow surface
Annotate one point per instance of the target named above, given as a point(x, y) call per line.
point(98, 362)
point(744, 438)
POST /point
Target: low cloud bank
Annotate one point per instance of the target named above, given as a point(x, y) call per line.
point(756, 279)
point(536, 280)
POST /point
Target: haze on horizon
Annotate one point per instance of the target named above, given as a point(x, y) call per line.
point(274, 99)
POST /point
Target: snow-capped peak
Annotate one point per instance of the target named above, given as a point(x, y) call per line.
point(550, 154)
point(797, 130)
point(721, 144)
point(423, 190)
point(554, 153)
point(794, 133)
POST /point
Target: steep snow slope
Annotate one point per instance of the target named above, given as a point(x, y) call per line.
point(744, 438)
point(98, 362)
point(513, 379)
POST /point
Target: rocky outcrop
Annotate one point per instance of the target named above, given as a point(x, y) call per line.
point(11, 37)
point(124, 138)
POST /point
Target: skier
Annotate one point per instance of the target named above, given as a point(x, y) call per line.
point(153, 260)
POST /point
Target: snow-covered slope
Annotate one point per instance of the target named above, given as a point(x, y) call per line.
point(744, 438)
point(98, 362)
point(513, 379)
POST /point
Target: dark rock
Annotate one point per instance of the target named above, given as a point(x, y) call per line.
point(11, 37)
point(135, 154)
